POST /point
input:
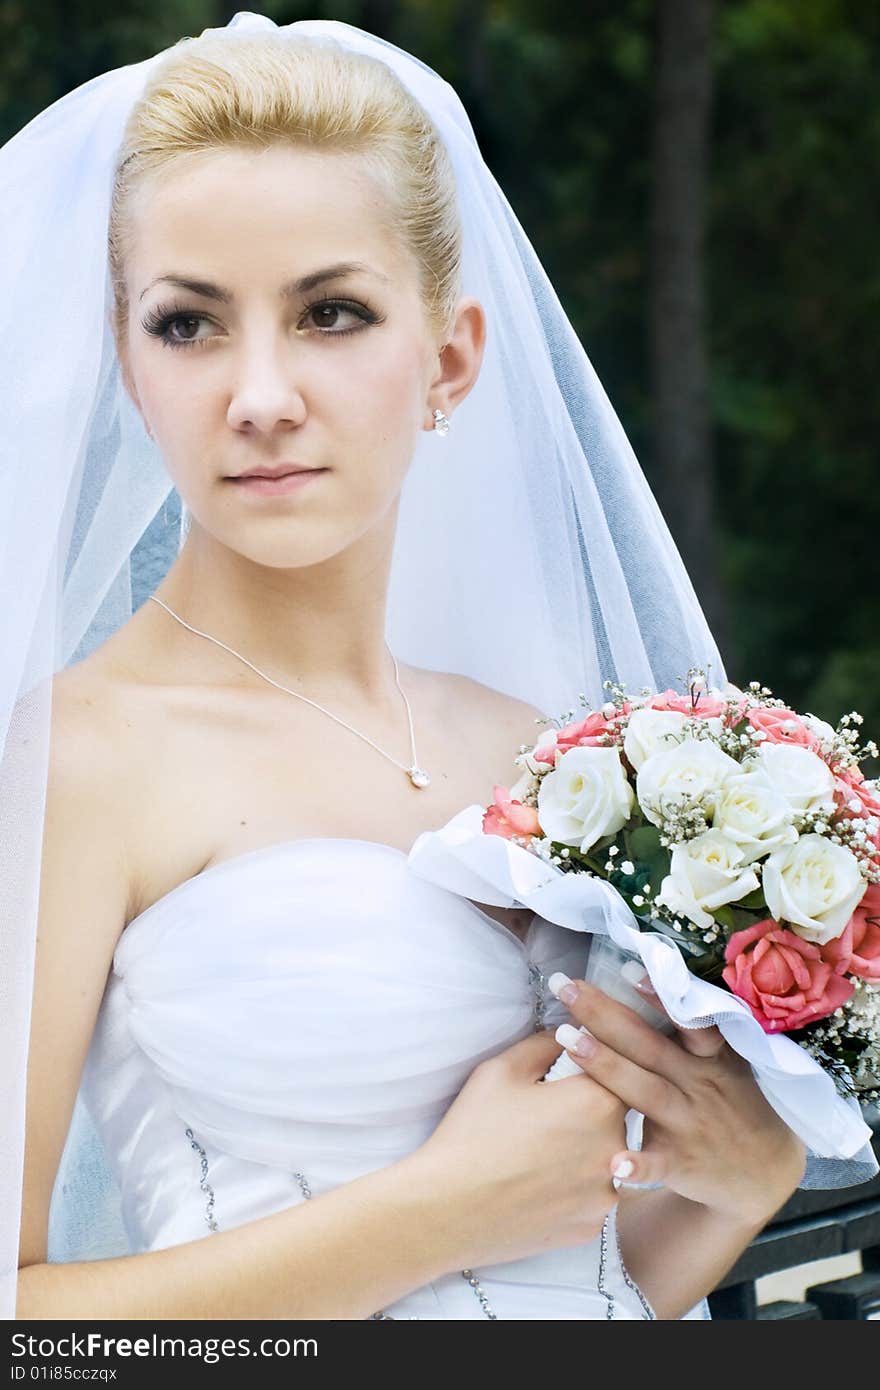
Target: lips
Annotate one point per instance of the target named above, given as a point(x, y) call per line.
point(283, 470)
point(293, 481)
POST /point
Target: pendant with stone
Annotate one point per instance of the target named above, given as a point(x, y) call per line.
point(418, 777)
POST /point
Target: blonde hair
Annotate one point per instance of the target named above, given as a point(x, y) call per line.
point(251, 91)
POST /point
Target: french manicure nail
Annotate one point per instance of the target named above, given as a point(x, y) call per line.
point(623, 1168)
point(639, 978)
point(557, 980)
point(563, 987)
point(634, 972)
point(579, 1040)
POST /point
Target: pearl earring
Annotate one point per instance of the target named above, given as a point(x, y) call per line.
point(441, 422)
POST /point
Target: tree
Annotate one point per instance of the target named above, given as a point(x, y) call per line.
point(683, 453)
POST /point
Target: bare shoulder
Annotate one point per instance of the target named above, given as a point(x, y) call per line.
point(84, 722)
point(511, 720)
point(86, 768)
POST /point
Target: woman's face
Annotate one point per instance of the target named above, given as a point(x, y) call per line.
point(332, 373)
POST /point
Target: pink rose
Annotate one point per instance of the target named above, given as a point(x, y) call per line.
point(849, 786)
point(857, 950)
point(847, 790)
point(589, 732)
point(853, 775)
point(545, 755)
point(508, 818)
point(843, 794)
point(705, 707)
point(783, 726)
point(784, 980)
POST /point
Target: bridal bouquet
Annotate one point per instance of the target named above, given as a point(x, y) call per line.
point(730, 848)
point(743, 832)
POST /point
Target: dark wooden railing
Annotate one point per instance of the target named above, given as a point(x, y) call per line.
point(812, 1226)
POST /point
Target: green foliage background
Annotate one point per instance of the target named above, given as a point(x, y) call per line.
point(561, 98)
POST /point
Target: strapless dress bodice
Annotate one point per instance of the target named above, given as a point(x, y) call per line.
point(300, 1015)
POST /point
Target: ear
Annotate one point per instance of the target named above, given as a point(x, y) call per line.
point(460, 359)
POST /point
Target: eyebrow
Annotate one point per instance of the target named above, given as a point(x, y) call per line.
point(292, 287)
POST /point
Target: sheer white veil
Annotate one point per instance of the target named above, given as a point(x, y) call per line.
point(530, 552)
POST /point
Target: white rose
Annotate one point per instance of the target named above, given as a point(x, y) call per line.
point(586, 796)
point(695, 768)
point(651, 731)
point(797, 773)
point(706, 873)
point(814, 886)
point(755, 815)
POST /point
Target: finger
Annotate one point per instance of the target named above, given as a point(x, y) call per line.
point(640, 1089)
point(700, 1042)
point(630, 1036)
point(531, 1056)
point(637, 1169)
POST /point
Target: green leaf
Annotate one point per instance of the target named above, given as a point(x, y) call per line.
point(733, 919)
point(754, 899)
point(724, 917)
point(644, 842)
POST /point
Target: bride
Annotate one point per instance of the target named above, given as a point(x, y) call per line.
point(284, 1039)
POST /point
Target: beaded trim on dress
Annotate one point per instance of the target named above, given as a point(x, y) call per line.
point(537, 979)
point(306, 1190)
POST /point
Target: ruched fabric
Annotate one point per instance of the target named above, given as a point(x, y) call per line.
point(306, 1012)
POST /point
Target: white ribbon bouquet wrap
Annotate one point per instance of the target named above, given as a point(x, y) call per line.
point(494, 870)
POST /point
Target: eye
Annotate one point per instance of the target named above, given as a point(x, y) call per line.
point(332, 307)
point(161, 323)
point(190, 319)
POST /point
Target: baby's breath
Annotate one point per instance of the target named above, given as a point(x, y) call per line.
point(682, 817)
point(847, 1043)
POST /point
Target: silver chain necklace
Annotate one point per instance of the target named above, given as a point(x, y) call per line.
point(416, 775)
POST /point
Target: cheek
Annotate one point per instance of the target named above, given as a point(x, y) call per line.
point(378, 427)
point(384, 392)
point(172, 400)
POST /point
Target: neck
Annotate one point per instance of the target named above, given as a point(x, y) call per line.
point(317, 629)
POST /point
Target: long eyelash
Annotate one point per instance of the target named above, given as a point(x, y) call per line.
point(362, 310)
point(158, 321)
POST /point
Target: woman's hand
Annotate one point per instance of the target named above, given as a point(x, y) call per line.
point(519, 1166)
point(709, 1134)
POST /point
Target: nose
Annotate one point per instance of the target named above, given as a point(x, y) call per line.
point(267, 391)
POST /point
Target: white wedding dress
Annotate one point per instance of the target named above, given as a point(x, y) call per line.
point(300, 1015)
